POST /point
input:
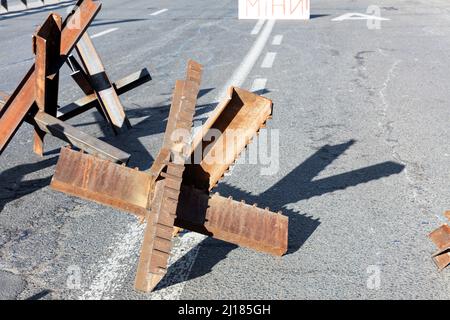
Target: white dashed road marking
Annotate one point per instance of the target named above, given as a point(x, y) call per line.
point(258, 85)
point(268, 60)
point(277, 40)
point(103, 33)
point(241, 73)
point(258, 26)
point(158, 12)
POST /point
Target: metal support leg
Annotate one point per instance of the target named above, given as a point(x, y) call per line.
point(106, 95)
point(47, 43)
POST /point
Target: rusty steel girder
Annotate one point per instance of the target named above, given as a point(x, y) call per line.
point(101, 85)
point(176, 192)
point(441, 238)
point(23, 98)
point(46, 46)
point(118, 186)
point(157, 242)
point(35, 100)
point(233, 124)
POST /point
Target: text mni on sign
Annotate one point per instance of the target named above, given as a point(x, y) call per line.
point(274, 9)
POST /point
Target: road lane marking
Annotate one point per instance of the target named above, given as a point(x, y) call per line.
point(103, 33)
point(268, 60)
point(277, 40)
point(115, 268)
point(258, 26)
point(258, 85)
point(241, 73)
point(358, 16)
point(158, 12)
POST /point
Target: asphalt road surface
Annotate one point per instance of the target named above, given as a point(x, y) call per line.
point(364, 155)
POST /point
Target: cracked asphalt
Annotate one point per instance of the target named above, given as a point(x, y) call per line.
point(364, 155)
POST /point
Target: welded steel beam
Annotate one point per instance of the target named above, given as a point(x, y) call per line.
point(78, 107)
point(82, 79)
point(168, 196)
point(233, 124)
point(47, 42)
point(79, 75)
point(56, 127)
point(232, 221)
point(23, 98)
point(128, 189)
point(157, 243)
point(88, 102)
point(106, 95)
point(79, 139)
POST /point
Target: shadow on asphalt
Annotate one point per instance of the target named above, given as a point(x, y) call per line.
point(11, 185)
point(40, 295)
point(315, 16)
point(296, 186)
point(100, 22)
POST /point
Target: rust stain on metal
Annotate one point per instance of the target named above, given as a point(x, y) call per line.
point(158, 234)
point(234, 124)
point(106, 94)
point(232, 221)
point(35, 99)
point(174, 193)
point(23, 98)
point(102, 181)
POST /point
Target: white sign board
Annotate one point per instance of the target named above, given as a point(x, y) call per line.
point(274, 9)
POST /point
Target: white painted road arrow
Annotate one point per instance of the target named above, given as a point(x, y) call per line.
point(358, 16)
